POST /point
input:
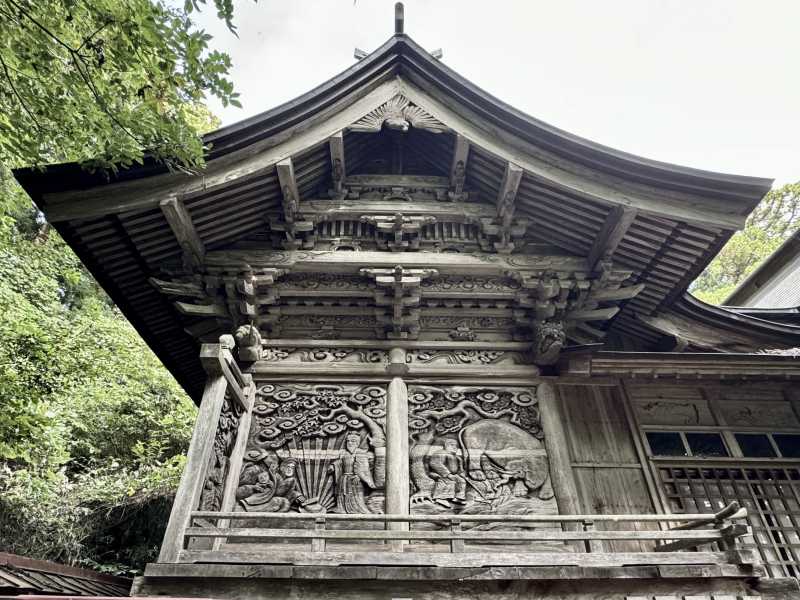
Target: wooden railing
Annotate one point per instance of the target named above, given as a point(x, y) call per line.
point(392, 533)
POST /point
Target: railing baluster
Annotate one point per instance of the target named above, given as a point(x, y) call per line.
point(318, 544)
point(590, 544)
point(456, 545)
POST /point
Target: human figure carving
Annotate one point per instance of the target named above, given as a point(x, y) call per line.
point(447, 466)
point(351, 472)
point(270, 489)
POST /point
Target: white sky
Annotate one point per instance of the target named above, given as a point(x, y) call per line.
point(707, 84)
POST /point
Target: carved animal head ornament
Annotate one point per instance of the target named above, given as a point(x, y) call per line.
point(550, 337)
point(248, 340)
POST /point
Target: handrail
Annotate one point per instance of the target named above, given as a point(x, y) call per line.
point(694, 529)
point(731, 511)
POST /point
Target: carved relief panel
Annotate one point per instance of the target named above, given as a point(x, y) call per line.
point(478, 450)
point(315, 448)
point(219, 463)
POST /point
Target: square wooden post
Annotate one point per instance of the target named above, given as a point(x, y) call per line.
point(200, 448)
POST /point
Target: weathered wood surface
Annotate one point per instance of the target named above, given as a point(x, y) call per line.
point(699, 536)
point(398, 485)
point(466, 559)
point(194, 473)
point(616, 225)
point(183, 228)
point(561, 473)
point(611, 477)
point(428, 572)
point(237, 455)
point(712, 368)
point(369, 583)
point(567, 518)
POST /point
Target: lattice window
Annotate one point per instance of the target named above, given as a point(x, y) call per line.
point(771, 495)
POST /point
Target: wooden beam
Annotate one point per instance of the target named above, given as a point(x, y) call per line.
point(181, 224)
point(616, 225)
point(141, 194)
point(598, 314)
point(621, 293)
point(338, 168)
point(504, 144)
point(507, 195)
point(458, 169)
point(291, 196)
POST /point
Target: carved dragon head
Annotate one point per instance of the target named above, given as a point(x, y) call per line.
point(246, 336)
point(549, 338)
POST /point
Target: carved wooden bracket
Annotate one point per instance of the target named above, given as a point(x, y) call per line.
point(398, 290)
point(533, 298)
point(503, 232)
point(291, 223)
point(338, 169)
point(398, 232)
point(458, 172)
point(230, 298)
point(553, 305)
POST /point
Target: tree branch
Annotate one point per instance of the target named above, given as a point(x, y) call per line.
point(17, 94)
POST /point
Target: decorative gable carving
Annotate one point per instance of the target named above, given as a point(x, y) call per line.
point(398, 114)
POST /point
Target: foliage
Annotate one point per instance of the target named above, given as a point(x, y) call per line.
point(775, 218)
point(106, 81)
point(93, 429)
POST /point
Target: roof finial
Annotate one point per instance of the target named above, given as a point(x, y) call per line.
point(398, 18)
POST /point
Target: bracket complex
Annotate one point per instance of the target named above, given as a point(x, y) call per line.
point(398, 290)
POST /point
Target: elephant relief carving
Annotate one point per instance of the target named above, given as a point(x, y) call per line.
point(478, 451)
point(500, 450)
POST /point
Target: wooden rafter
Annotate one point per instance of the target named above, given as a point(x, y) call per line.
point(613, 230)
point(458, 169)
point(289, 192)
point(507, 196)
point(180, 221)
point(338, 168)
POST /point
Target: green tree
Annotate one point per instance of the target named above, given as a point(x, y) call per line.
point(90, 421)
point(93, 430)
point(106, 81)
point(775, 218)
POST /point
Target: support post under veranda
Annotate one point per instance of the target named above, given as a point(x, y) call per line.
point(223, 376)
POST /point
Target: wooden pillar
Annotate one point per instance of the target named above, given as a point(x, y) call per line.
point(556, 443)
point(194, 473)
point(555, 440)
point(397, 476)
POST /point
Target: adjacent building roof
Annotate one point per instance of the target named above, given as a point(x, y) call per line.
point(662, 222)
point(775, 284)
point(26, 576)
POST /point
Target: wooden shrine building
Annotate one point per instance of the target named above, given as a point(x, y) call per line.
point(444, 350)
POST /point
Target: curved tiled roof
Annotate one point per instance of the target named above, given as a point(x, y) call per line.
point(573, 191)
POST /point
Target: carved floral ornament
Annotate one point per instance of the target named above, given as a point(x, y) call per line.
point(398, 114)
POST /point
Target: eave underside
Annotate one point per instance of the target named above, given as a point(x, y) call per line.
point(125, 244)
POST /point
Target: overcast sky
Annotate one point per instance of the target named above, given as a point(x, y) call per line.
point(707, 84)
